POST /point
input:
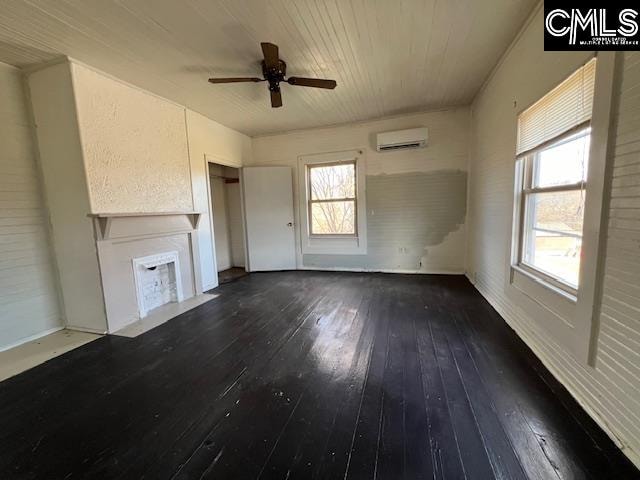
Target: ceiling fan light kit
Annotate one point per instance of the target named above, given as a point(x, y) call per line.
point(274, 71)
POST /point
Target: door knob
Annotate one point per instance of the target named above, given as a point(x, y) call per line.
point(290, 224)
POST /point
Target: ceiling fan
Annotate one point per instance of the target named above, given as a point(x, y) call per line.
point(274, 71)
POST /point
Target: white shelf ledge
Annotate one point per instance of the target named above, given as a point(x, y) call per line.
point(104, 222)
point(140, 214)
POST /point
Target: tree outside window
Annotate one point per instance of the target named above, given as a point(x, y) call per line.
point(332, 199)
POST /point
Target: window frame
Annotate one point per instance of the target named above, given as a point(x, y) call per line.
point(311, 201)
point(573, 323)
point(526, 188)
point(331, 244)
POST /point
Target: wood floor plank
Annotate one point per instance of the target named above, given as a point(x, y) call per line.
point(469, 439)
point(336, 452)
point(504, 461)
point(558, 436)
point(297, 453)
point(390, 457)
point(266, 403)
point(418, 458)
point(307, 375)
point(363, 452)
point(445, 448)
point(523, 439)
point(244, 360)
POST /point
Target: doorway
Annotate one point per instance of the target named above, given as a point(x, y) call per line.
point(228, 224)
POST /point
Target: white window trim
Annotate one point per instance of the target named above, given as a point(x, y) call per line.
point(353, 199)
point(333, 244)
point(524, 187)
point(573, 320)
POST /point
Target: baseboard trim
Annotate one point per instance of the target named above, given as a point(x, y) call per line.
point(31, 338)
point(383, 270)
point(86, 330)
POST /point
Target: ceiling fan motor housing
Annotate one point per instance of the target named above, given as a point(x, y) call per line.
point(274, 75)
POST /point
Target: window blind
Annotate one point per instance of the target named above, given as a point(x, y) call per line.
point(564, 108)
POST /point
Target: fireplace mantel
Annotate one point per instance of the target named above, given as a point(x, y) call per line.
point(174, 221)
point(123, 237)
point(140, 214)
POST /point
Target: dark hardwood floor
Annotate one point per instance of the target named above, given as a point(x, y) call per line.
point(231, 274)
point(306, 375)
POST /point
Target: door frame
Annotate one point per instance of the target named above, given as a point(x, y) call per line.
point(214, 159)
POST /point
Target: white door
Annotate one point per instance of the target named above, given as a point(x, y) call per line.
point(268, 205)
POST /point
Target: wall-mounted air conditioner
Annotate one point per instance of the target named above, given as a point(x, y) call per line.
point(402, 139)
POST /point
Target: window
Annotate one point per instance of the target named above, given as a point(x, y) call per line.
point(332, 199)
point(553, 198)
point(332, 203)
point(553, 155)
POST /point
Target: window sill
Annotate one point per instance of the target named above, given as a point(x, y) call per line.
point(334, 245)
point(543, 283)
point(331, 236)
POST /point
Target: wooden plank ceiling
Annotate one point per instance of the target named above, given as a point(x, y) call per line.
point(388, 56)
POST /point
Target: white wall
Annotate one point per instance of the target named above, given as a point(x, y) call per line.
point(236, 224)
point(28, 291)
point(210, 141)
point(134, 146)
point(415, 198)
point(220, 220)
point(610, 392)
point(67, 197)
point(228, 223)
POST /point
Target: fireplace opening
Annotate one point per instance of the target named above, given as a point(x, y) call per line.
point(157, 281)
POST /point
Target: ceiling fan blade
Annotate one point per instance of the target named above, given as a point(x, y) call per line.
point(312, 82)
point(235, 80)
point(270, 52)
point(276, 98)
